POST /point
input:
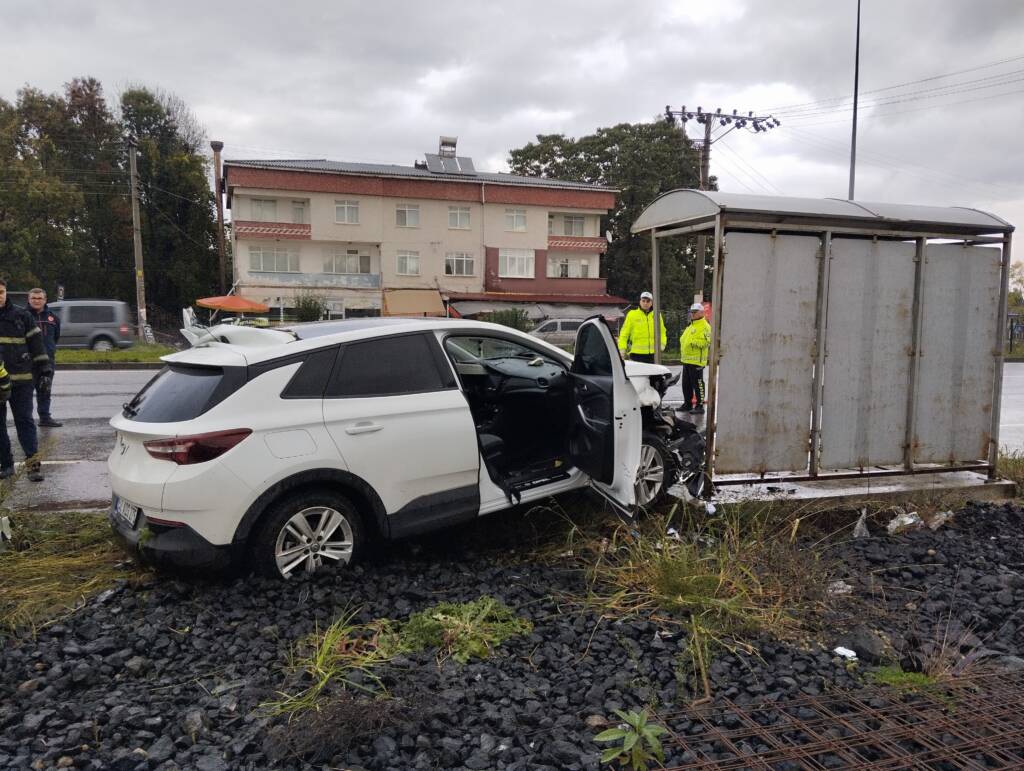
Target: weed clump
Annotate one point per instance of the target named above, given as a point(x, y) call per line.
point(348, 654)
point(53, 564)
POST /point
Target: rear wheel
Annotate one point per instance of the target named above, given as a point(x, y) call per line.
point(308, 532)
point(103, 344)
point(657, 471)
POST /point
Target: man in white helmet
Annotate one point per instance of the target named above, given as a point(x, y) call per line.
point(637, 337)
point(693, 351)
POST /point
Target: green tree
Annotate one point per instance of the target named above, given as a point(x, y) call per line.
point(36, 206)
point(641, 161)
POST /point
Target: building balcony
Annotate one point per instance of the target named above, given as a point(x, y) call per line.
point(313, 280)
point(275, 230)
point(588, 244)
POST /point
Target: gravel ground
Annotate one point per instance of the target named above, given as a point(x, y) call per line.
point(171, 674)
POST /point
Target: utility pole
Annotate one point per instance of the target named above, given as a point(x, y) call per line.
point(754, 123)
point(217, 147)
point(140, 281)
point(856, 90)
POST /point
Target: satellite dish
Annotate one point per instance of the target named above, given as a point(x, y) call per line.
point(608, 236)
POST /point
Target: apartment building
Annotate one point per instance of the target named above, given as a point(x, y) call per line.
point(433, 238)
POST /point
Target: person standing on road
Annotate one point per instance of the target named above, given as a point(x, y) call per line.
point(636, 339)
point(694, 344)
point(49, 324)
point(24, 357)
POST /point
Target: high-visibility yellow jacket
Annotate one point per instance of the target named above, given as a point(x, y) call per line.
point(695, 342)
point(5, 383)
point(637, 334)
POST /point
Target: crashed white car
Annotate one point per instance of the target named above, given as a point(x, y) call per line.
point(287, 449)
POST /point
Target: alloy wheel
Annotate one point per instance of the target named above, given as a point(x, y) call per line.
point(649, 476)
point(311, 537)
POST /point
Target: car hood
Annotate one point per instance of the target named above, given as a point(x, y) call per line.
point(643, 369)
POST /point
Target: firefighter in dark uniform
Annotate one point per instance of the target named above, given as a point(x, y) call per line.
point(25, 359)
point(49, 324)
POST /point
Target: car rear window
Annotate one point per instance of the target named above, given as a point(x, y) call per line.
point(181, 393)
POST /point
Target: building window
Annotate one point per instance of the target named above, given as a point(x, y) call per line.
point(458, 264)
point(551, 224)
point(299, 213)
point(573, 225)
point(346, 261)
point(407, 215)
point(515, 220)
point(408, 264)
point(264, 210)
point(273, 259)
point(458, 217)
point(568, 267)
point(346, 212)
point(515, 263)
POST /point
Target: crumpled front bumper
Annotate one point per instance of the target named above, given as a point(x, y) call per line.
point(177, 548)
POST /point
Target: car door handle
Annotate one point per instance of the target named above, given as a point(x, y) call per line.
point(363, 428)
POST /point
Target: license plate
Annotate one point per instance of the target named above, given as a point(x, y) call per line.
point(129, 512)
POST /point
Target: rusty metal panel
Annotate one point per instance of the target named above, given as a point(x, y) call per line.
point(868, 343)
point(766, 347)
point(960, 296)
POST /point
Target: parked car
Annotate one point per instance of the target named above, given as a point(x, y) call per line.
point(288, 448)
point(560, 332)
point(98, 324)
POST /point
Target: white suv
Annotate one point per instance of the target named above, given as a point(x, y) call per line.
point(290, 448)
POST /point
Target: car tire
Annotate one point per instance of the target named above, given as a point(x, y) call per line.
point(282, 547)
point(102, 344)
point(657, 472)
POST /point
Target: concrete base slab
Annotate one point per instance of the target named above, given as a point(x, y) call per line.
point(950, 486)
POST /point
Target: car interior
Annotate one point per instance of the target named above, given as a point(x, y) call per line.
point(521, 402)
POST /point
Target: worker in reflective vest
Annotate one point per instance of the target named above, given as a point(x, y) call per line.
point(637, 335)
point(24, 357)
point(694, 344)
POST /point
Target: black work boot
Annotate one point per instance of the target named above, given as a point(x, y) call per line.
point(35, 469)
point(698, 410)
point(49, 422)
point(6, 472)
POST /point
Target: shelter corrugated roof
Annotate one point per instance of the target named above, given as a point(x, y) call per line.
point(324, 166)
point(683, 207)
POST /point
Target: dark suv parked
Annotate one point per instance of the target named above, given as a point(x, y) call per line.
point(98, 324)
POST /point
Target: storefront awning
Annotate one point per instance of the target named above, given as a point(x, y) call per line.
point(412, 302)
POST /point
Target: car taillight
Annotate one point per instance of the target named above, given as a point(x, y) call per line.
point(198, 448)
point(124, 329)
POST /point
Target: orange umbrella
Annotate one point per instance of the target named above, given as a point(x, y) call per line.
point(232, 303)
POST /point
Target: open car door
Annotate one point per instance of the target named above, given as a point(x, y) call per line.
point(605, 437)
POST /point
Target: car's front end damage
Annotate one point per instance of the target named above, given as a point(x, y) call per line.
point(682, 437)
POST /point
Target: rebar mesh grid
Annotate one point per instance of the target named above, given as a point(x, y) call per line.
point(970, 722)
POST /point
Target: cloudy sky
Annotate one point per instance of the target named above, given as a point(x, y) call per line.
point(942, 81)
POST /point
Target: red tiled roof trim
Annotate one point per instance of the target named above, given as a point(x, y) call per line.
point(588, 299)
point(576, 244)
point(271, 230)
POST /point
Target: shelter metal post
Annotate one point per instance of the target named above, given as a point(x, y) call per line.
point(655, 290)
point(997, 386)
point(915, 351)
point(711, 401)
point(820, 321)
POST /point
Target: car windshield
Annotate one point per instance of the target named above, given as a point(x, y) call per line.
point(470, 349)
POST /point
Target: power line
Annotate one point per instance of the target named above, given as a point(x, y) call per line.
point(928, 79)
point(757, 176)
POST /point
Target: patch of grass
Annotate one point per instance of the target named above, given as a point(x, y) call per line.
point(463, 630)
point(141, 352)
point(1011, 466)
point(460, 630)
point(54, 563)
point(894, 677)
point(722, 579)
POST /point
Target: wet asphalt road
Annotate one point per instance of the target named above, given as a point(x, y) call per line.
point(84, 400)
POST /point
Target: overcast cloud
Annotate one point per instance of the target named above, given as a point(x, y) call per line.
point(379, 81)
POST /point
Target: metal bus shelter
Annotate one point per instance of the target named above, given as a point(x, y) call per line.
point(849, 339)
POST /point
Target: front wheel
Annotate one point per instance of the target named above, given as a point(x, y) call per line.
point(308, 532)
point(657, 471)
point(102, 344)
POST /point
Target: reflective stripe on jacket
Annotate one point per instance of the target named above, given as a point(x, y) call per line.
point(637, 335)
point(5, 383)
point(695, 342)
